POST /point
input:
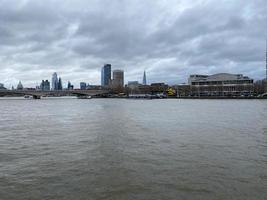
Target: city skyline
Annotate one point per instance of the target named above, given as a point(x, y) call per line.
point(188, 37)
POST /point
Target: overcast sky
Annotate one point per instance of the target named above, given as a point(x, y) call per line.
point(170, 39)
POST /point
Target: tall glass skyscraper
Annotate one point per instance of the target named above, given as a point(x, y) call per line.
point(54, 81)
point(144, 78)
point(59, 86)
point(106, 75)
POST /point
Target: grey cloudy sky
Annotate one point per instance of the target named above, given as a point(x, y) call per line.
point(170, 39)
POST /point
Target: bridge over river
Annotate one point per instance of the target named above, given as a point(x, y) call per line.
point(37, 94)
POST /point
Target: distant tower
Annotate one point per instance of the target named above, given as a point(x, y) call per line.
point(59, 86)
point(54, 81)
point(118, 79)
point(144, 78)
point(106, 75)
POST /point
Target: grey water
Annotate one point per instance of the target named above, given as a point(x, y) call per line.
point(65, 148)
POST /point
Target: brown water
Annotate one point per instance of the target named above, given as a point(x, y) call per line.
point(133, 149)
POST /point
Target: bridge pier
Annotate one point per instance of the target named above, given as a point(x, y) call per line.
point(36, 97)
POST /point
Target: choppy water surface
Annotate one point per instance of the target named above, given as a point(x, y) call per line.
point(133, 149)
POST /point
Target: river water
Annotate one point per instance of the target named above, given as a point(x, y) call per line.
point(64, 148)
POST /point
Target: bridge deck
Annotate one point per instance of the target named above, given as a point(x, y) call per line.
point(54, 93)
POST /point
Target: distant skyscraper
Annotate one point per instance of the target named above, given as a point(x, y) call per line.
point(82, 85)
point(118, 79)
point(70, 86)
point(60, 87)
point(106, 75)
point(144, 78)
point(45, 85)
point(54, 81)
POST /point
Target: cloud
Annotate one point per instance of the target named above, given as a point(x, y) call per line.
point(170, 39)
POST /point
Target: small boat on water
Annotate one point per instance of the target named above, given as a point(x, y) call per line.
point(28, 97)
point(84, 97)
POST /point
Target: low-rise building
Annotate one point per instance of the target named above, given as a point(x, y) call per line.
point(157, 88)
point(222, 84)
point(133, 84)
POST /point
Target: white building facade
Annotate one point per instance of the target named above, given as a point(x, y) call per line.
point(222, 84)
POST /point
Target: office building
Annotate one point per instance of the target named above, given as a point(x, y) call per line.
point(118, 79)
point(54, 81)
point(222, 84)
point(106, 75)
point(60, 86)
point(70, 86)
point(82, 85)
point(45, 85)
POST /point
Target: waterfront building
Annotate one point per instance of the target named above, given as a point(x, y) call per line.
point(83, 86)
point(132, 86)
point(153, 89)
point(222, 84)
point(182, 90)
point(118, 79)
point(106, 75)
point(45, 85)
point(158, 88)
point(144, 78)
point(54, 81)
point(60, 87)
point(20, 86)
point(2, 87)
